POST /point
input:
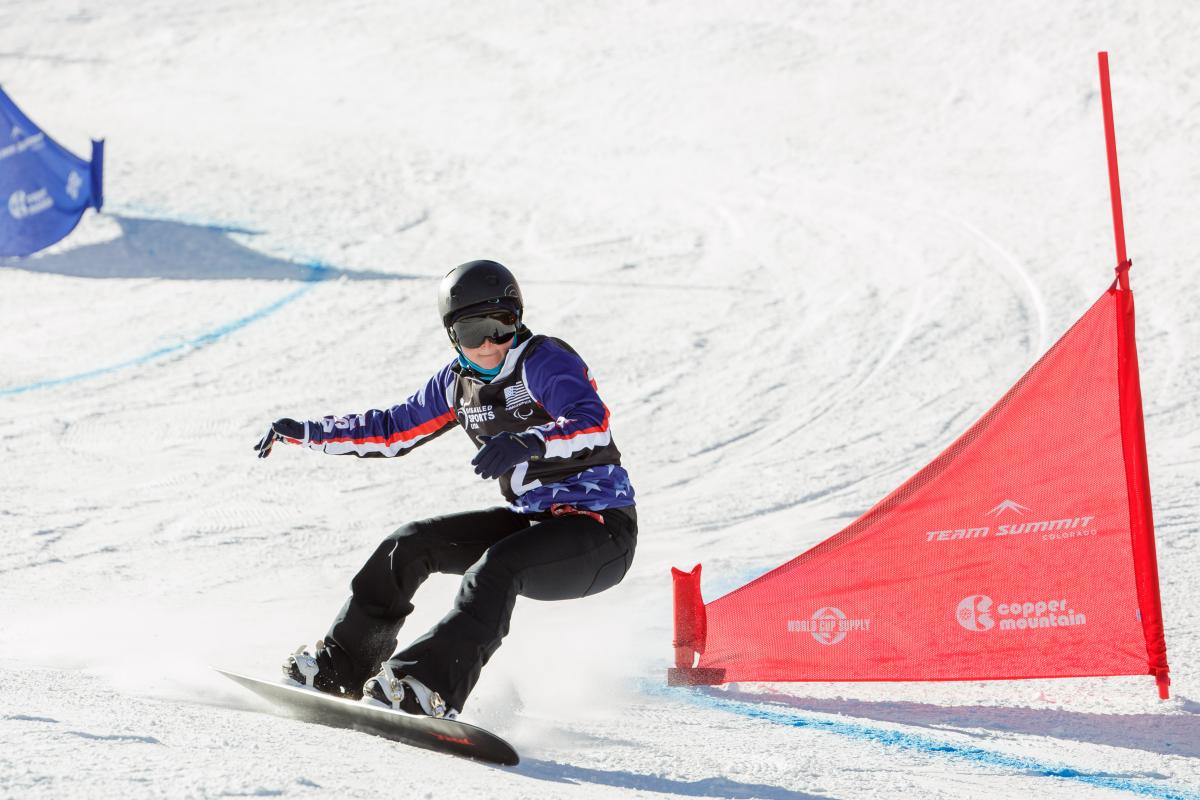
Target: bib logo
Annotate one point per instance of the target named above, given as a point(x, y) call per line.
point(975, 614)
point(516, 396)
point(828, 625)
point(473, 415)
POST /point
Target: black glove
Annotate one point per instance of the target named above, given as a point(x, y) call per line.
point(502, 452)
point(281, 428)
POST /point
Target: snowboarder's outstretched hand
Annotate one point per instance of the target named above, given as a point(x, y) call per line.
point(280, 429)
point(502, 452)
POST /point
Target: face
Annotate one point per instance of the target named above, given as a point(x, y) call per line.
point(489, 354)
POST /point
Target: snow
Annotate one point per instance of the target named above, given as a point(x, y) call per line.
point(801, 246)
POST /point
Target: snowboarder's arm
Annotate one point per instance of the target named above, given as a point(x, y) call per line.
point(386, 433)
point(560, 381)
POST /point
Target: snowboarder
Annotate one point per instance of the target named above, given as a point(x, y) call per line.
point(530, 406)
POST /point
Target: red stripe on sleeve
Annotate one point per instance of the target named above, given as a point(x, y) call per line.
point(425, 428)
point(601, 428)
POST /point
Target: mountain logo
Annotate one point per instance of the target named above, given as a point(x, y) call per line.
point(978, 613)
point(26, 204)
point(974, 613)
point(1007, 505)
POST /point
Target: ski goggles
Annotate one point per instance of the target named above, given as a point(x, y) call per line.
point(499, 326)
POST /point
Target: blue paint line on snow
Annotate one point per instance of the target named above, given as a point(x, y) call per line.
point(317, 274)
point(926, 745)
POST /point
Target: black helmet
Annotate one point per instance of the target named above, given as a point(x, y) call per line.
point(486, 284)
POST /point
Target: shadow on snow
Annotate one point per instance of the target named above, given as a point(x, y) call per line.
point(708, 787)
point(153, 248)
point(1168, 734)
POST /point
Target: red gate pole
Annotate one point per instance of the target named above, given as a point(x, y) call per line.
point(1114, 180)
point(1133, 433)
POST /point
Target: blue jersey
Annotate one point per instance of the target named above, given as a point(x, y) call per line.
point(543, 388)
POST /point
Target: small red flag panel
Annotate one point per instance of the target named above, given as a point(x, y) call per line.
point(1019, 552)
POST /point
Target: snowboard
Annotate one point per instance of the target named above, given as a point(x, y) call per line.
point(444, 735)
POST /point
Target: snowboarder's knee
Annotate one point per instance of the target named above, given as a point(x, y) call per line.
point(490, 571)
point(410, 537)
point(404, 545)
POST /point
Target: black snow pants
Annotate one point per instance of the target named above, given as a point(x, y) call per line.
point(500, 554)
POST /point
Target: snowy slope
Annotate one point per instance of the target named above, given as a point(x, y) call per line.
point(801, 247)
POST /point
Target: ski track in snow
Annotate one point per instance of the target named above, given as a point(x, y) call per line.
point(802, 248)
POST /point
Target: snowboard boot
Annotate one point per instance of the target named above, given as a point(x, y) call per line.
point(316, 671)
point(406, 694)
